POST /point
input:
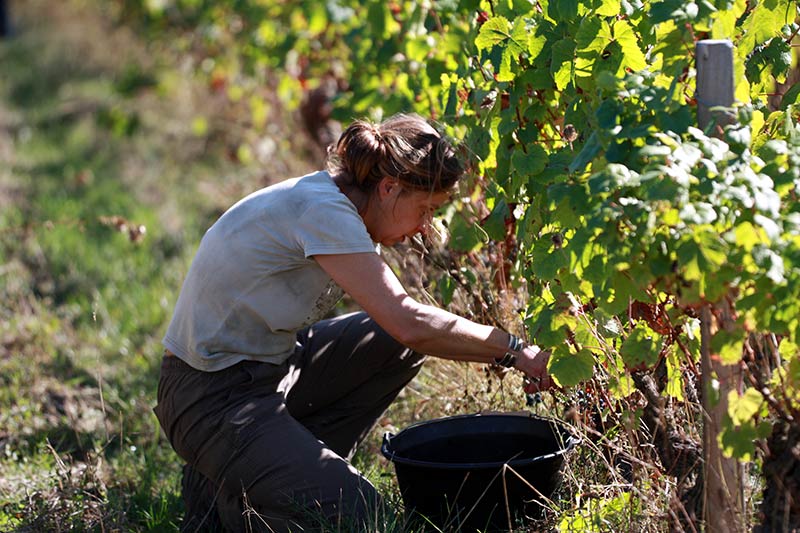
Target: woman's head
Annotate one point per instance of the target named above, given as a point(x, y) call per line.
point(398, 173)
point(404, 147)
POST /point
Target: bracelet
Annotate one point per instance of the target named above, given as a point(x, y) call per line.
point(508, 360)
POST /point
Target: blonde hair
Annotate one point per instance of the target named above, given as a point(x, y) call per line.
point(404, 146)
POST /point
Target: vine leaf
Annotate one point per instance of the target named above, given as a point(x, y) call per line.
point(585, 156)
point(562, 63)
point(641, 348)
point(728, 345)
point(743, 408)
point(738, 441)
point(790, 96)
point(568, 368)
point(536, 44)
point(608, 8)
point(465, 236)
point(495, 223)
point(765, 22)
point(518, 41)
point(633, 57)
point(532, 163)
point(563, 10)
point(494, 31)
point(546, 264)
point(588, 37)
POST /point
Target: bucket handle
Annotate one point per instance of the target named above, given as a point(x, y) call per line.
point(387, 437)
point(571, 442)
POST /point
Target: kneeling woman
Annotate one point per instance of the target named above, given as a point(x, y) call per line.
point(266, 402)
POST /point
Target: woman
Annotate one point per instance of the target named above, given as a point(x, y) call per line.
point(266, 402)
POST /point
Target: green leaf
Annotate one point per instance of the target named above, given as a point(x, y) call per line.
point(674, 387)
point(676, 10)
point(738, 441)
point(545, 265)
point(596, 271)
point(465, 237)
point(376, 16)
point(607, 81)
point(641, 348)
point(748, 236)
point(633, 57)
point(530, 164)
point(544, 329)
point(570, 369)
point(518, 41)
point(495, 223)
point(765, 22)
point(505, 73)
point(724, 24)
point(609, 8)
point(562, 63)
point(536, 43)
point(728, 345)
point(790, 96)
point(743, 408)
point(318, 19)
point(586, 38)
point(494, 31)
point(621, 386)
point(702, 254)
point(447, 287)
point(607, 114)
point(788, 349)
point(587, 154)
point(563, 10)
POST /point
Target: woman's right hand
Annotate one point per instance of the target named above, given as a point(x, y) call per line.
point(532, 361)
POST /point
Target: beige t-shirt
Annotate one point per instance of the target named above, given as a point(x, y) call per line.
point(253, 283)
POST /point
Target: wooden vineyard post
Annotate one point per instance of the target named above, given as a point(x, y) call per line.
point(723, 505)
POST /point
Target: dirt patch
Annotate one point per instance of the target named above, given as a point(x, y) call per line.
point(66, 415)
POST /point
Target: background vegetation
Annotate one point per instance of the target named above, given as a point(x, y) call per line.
point(600, 223)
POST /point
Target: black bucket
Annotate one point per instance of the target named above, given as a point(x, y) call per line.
point(452, 473)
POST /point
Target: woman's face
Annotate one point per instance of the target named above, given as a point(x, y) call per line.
point(401, 213)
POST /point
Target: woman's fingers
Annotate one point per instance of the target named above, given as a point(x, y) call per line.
point(533, 362)
point(534, 385)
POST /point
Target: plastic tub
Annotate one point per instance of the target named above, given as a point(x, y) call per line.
point(479, 472)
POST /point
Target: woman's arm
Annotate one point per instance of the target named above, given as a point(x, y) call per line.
point(424, 328)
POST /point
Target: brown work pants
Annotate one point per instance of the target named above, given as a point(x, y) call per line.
point(267, 446)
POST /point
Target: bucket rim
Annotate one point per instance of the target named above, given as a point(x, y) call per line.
point(570, 441)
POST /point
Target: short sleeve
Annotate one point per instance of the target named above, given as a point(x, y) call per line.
point(332, 226)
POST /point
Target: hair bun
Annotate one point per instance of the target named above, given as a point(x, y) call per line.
point(405, 147)
point(377, 136)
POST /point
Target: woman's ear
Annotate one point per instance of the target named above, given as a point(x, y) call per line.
point(388, 187)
